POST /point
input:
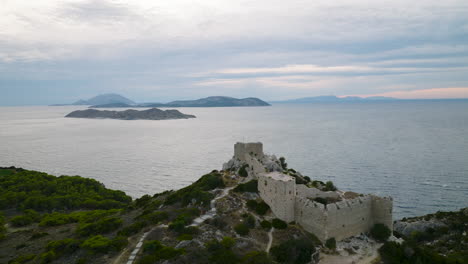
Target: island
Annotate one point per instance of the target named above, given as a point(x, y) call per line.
point(255, 210)
point(150, 114)
point(212, 101)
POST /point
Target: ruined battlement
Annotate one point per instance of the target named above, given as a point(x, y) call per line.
point(350, 215)
point(243, 149)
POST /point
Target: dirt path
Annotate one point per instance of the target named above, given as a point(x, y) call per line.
point(270, 239)
point(212, 212)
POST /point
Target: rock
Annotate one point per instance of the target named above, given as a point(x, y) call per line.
point(406, 228)
point(184, 244)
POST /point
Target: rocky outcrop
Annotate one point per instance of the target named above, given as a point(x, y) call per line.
point(150, 114)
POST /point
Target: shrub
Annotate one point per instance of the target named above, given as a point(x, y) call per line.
point(329, 186)
point(251, 204)
point(380, 232)
point(156, 217)
point(279, 224)
point(155, 251)
point(242, 229)
point(243, 171)
point(185, 237)
point(100, 244)
point(22, 259)
point(102, 226)
point(251, 186)
point(221, 252)
point(38, 235)
point(48, 256)
point(331, 243)
point(256, 257)
point(321, 200)
point(265, 224)
point(297, 251)
point(283, 163)
point(262, 208)
point(142, 201)
point(197, 191)
point(250, 221)
point(29, 217)
point(64, 246)
point(2, 226)
point(132, 229)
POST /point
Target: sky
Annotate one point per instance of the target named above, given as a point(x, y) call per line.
point(59, 51)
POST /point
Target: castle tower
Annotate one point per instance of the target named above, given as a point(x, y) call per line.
point(253, 149)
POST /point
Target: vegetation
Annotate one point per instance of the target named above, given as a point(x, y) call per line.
point(266, 224)
point(283, 163)
point(30, 216)
point(331, 243)
point(221, 252)
point(445, 244)
point(100, 244)
point(260, 208)
point(2, 226)
point(25, 189)
point(198, 191)
point(242, 229)
point(251, 186)
point(102, 226)
point(243, 171)
point(155, 251)
point(279, 224)
point(294, 251)
point(256, 257)
point(380, 232)
point(329, 186)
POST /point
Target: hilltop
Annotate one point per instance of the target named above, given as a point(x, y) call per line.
point(110, 98)
point(227, 216)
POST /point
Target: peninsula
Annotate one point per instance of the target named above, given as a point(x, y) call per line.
point(150, 114)
point(255, 210)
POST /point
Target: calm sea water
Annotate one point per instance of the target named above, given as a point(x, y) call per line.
point(416, 152)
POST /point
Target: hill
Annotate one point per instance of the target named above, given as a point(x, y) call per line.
point(212, 101)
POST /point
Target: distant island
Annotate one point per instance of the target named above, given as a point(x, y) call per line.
point(110, 98)
point(118, 101)
point(150, 114)
point(333, 99)
point(212, 101)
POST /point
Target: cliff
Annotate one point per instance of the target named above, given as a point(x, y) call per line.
point(150, 114)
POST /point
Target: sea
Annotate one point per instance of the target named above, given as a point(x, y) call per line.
point(414, 151)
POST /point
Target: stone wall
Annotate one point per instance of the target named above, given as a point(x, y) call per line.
point(382, 210)
point(304, 191)
point(278, 191)
point(254, 149)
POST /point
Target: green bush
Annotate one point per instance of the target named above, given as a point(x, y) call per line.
point(155, 251)
point(251, 186)
point(38, 235)
point(2, 226)
point(329, 186)
point(64, 246)
point(100, 244)
point(198, 191)
point(265, 224)
point(29, 217)
point(48, 257)
point(221, 252)
point(133, 228)
point(321, 200)
point(380, 232)
point(142, 201)
point(102, 226)
point(294, 251)
point(242, 229)
point(260, 208)
point(185, 237)
point(42, 192)
point(279, 224)
point(331, 243)
point(283, 163)
point(256, 257)
point(156, 217)
point(250, 221)
point(22, 259)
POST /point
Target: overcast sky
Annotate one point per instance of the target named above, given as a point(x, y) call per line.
point(58, 51)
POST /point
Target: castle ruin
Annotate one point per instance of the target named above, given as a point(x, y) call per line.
point(345, 214)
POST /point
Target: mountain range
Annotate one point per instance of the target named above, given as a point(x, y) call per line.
point(332, 99)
